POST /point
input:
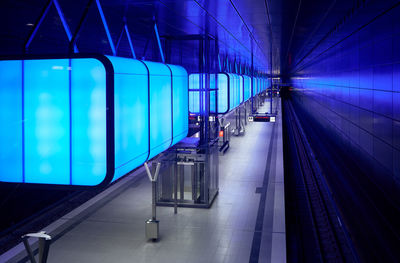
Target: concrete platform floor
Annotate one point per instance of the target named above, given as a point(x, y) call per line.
point(245, 224)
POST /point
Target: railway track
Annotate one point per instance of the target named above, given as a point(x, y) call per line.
point(332, 240)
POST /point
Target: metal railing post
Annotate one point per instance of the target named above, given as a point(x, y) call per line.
point(44, 246)
point(152, 228)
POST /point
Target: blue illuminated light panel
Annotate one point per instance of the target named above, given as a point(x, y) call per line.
point(160, 103)
point(180, 103)
point(55, 116)
point(11, 121)
point(46, 110)
point(131, 114)
point(194, 96)
point(223, 104)
point(88, 121)
point(247, 87)
point(194, 93)
point(254, 86)
point(241, 90)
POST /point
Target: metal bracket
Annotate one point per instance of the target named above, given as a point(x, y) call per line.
point(44, 245)
point(153, 178)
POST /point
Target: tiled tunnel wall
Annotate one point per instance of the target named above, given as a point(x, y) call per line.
point(353, 91)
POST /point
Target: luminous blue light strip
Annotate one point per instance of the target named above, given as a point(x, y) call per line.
point(119, 39)
point(23, 120)
point(103, 19)
point(130, 41)
point(159, 42)
point(64, 22)
point(219, 63)
point(172, 106)
point(70, 118)
point(38, 25)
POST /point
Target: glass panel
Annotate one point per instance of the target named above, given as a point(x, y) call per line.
point(160, 108)
point(247, 88)
point(194, 97)
point(46, 108)
point(88, 119)
point(131, 114)
point(11, 121)
point(180, 103)
point(223, 105)
point(241, 89)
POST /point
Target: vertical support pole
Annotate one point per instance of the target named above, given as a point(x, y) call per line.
point(175, 174)
point(252, 79)
point(217, 70)
point(153, 200)
point(201, 92)
point(207, 86)
point(270, 66)
point(44, 246)
point(206, 166)
point(29, 250)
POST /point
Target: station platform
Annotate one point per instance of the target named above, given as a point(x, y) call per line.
point(246, 222)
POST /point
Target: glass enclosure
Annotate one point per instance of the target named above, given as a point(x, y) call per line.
point(86, 121)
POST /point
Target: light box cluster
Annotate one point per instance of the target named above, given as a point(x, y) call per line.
point(86, 121)
point(233, 90)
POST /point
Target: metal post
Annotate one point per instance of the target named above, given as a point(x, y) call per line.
point(175, 174)
point(153, 201)
point(270, 57)
point(29, 250)
point(152, 228)
point(252, 78)
point(207, 88)
point(44, 246)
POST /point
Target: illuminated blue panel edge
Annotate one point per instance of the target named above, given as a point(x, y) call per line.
point(180, 103)
point(194, 94)
point(131, 114)
point(160, 100)
point(11, 121)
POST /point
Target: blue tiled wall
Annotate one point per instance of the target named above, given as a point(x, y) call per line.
point(353, 90)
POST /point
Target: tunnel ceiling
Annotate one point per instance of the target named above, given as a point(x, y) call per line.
point(304, 24)
point(291, 27)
